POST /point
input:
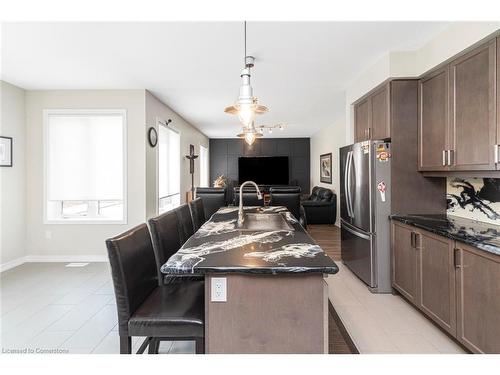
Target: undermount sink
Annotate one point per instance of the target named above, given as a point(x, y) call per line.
point(265, 222)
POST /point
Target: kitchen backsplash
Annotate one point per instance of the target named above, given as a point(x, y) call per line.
point(474, 198)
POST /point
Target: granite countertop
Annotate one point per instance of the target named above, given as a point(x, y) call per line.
point(481, 235)
point(219, 246)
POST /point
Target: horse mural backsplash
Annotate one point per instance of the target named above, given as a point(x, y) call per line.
point(474, 198)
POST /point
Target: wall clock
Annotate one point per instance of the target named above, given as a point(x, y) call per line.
point(152, 137)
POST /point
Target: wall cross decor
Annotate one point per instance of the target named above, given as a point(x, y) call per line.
point(191, 157)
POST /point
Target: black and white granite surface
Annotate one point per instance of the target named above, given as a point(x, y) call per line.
point(219, 246)
point(481, 235)
point(474, 198)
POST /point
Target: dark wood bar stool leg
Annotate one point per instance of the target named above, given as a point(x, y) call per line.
point(125, 345)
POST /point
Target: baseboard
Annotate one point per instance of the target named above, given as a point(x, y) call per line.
point(11, 264)
point(52, 259)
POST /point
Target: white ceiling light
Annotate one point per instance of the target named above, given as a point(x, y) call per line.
point(246, 106)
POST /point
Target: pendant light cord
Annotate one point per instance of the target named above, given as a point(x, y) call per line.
point(245, 37)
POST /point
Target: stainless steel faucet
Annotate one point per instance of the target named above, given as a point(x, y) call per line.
point(240, 210)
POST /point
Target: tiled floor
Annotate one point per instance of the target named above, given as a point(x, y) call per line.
point(384, 323)
point(47, 306)
point(50, 306)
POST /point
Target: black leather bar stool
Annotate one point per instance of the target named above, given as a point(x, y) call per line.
point(213, 199)
point(185, 222)
point(250, 197)
point(197, 213)
point(290, 198)
point(172, 313)
point(166, 233)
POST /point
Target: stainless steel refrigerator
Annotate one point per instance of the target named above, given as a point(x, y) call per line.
point(365, 206)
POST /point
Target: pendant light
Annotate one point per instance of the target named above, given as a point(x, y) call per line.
point(249, 134)
point(246, 106)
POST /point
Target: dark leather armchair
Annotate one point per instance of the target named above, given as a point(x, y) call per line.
point(288, 197)
point(250, 197)
point(213, 199)
point(321, 206)
point(170, 312)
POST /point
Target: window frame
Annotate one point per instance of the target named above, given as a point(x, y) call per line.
point(160, 122)
point(207, 165)
point(78, 221)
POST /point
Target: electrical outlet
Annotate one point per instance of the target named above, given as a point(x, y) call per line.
point(218, 289)
point(48, 234)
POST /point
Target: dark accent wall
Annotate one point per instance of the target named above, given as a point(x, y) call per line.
point(224, 155)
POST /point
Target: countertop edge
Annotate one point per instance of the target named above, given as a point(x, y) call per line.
point(406, 219)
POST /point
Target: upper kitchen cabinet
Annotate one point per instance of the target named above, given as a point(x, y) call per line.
point(371, 116)
point(473, 125)
point(380, 114)
point(457, 116)
point(433, 121)
point(361, 120)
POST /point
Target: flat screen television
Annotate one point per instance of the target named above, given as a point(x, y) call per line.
point(263, 170)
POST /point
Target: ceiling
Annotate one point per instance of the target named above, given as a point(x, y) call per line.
point(301, 68)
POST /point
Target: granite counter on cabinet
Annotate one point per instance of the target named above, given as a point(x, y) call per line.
point(259, 283)
point(480, 235)
point(219, 246)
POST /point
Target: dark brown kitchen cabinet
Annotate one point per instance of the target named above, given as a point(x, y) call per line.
point(361, 120)
point(457, 114)
point(404, 260)
point(380, 126)
point(478, 299)
point(433, 121)
point(473, 125)
point(437, 279)
point(454, 284)
point(371, 115)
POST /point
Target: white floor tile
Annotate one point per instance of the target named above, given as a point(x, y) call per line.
point(384, 323)
point(183, 347)
point(93, 331)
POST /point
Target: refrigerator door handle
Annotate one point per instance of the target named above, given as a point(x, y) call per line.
point(351, 230)
point(350, 211)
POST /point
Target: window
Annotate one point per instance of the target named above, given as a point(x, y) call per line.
point(204, 166)
point(85, 166)
point(169, 173)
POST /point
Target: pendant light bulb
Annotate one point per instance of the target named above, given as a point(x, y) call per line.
point(246, 114)
point(250, 138)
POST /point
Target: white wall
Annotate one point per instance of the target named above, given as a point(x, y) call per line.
point(86, 241)
point(13, 180)
point(404, 64)
point(82, 239)
point(155, 109)
point(328, 139)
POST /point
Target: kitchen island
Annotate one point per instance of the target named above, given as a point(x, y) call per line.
point(264, 286)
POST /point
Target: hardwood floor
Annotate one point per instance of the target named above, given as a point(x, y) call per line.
point(328, 237)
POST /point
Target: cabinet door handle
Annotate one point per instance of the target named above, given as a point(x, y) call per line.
point(444, 158)
point(369, 133)
point(451, 155)
point(417, 241)
point(456, 258)
point(412, 239)
point(496, 153)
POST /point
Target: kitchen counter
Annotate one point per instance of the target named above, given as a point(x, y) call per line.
point(259, 283)
point(480, 235)
point(219, 246)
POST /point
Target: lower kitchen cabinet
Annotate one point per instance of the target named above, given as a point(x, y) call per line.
point(455, 285)
point(404, 270)
point(437, 279)
point(478, 299)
